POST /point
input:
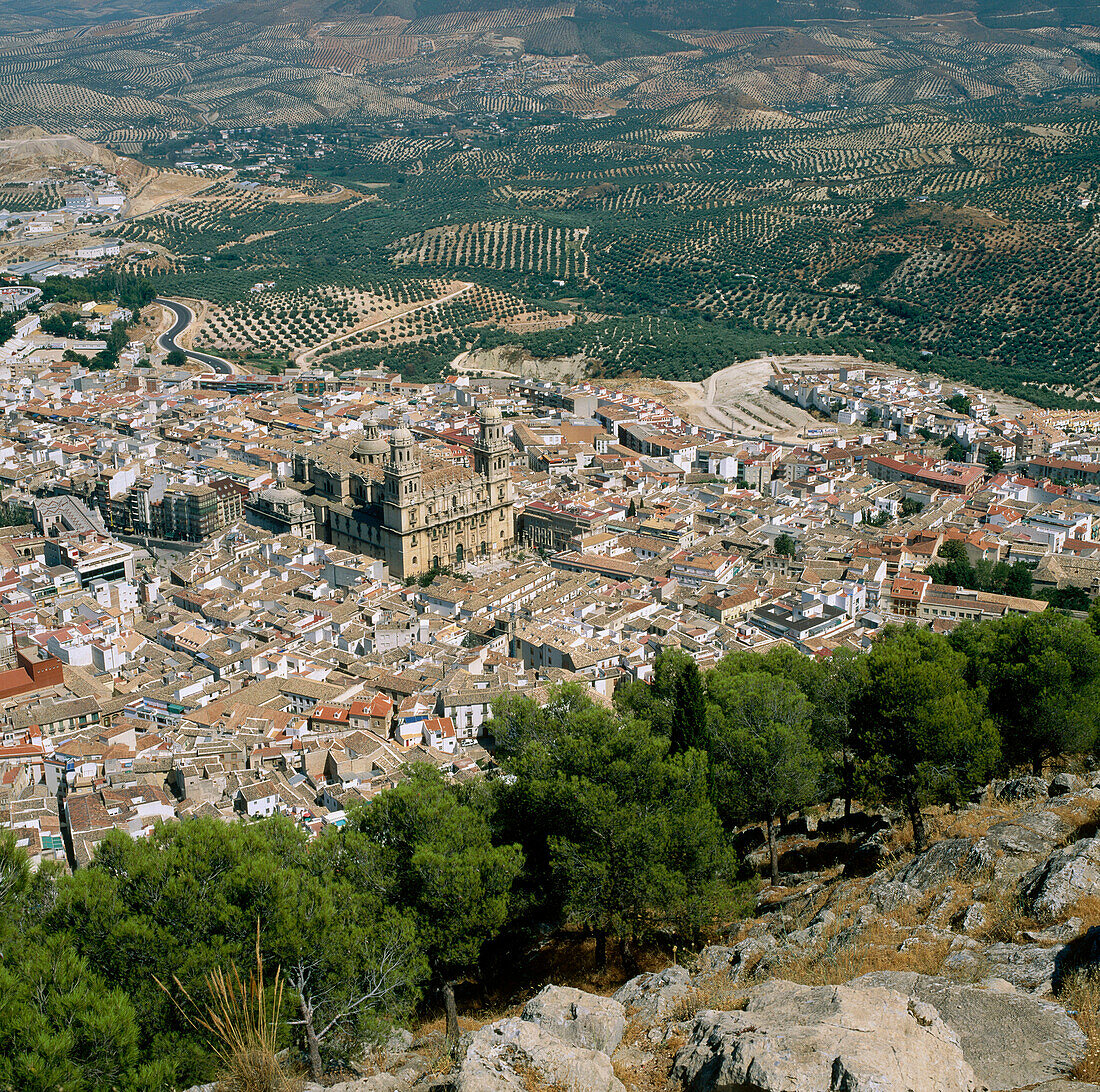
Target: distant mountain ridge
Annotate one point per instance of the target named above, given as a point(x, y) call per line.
point(637, 15)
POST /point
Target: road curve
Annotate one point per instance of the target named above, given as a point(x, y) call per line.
point(184, 317)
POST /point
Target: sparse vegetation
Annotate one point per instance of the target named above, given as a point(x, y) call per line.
point(243, 1022)
point(1081, 995)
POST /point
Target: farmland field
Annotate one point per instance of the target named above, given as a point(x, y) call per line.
point(962, 232)
point(311, 325)
point(660, 202)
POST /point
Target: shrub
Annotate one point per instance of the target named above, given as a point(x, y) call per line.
point(1081, 995)
point(242, 1020)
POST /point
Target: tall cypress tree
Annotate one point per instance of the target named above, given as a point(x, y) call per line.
point(689, 709)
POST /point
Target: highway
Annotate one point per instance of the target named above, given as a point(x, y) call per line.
point(184, 317)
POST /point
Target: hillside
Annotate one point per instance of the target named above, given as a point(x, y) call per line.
point(302, 62)
point(635, 15)
point(80, 13)
point(970, 967)
point(25, 151)
point(693, 188)
point(872, 969)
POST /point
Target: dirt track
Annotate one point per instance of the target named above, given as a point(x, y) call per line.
point(301, 357)
point(162, 188)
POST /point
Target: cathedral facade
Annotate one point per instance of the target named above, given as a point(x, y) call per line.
point(408, 509)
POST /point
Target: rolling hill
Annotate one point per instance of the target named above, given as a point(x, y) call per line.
point(623, 18)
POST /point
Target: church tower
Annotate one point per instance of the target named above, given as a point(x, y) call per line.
point(401, 477)
point(491, 457)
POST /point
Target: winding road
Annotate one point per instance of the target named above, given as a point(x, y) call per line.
point(184, 317)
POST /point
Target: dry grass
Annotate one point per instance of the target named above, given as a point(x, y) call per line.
point(938, 905)
point(471, 1018)
point(912, 914)
point(437, 1054)
point(1081, 814)
point(1081, 996)
point(644, 1066)
point(899, 841)
point(879, 947)
point(717, 992)
point(242, 1021)
point(652, 1077)
point(1087, 909)
point(976, 821)
point(1005, 916)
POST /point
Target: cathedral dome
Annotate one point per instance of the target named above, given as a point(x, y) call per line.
point(281, 497)
point(281, 494)
point(371, 445)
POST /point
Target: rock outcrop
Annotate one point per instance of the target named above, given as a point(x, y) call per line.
point(512, 1055)
point(1042, 1039)
point(586, 1019)
point(655, 995)
point(1012, 848)
point(1053, 887)
point(793, 1038)
point(937, 865)
point(994, 919)
point(887, 1031)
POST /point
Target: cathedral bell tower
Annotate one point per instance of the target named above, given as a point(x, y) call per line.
point(491, 459)
point(401, 477)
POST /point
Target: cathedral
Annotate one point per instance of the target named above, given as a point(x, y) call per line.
point(410, 510)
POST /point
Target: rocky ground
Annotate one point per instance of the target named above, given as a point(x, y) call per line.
point(700, 1031)
point(973, 965)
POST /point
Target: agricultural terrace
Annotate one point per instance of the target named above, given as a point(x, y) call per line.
point(956, 237)
point(230, 213)
point(30, 198)
point(523, 247)
point(314, 324)
point(186, 72)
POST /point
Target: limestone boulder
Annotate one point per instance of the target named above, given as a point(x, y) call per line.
point(1046, 1042)
point(654, 995)
point(514, 1055)
point(585, 1019)
point(793, 1038)
point(937, 865)
point(1028, 967)
point(1022, 788)
point(1064, 783)
point(885, 896)
point(975, 918)
point(735, 962)
point(1012, 848)
point(1050, 889)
